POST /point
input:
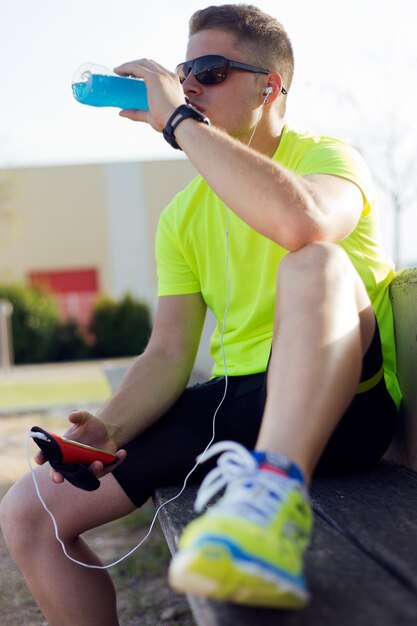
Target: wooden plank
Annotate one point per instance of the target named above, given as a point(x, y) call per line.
point(349, 587)
point(377, 511)
point(175, 515)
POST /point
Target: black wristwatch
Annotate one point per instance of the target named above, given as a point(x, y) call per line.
point(179, 115)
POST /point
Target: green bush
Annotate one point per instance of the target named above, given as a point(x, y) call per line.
point(35, 320)
point(120, 328)
point(68, 343)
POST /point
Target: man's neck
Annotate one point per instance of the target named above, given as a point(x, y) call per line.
point(267, 138)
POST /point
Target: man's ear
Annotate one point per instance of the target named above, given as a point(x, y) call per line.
point(273, 88)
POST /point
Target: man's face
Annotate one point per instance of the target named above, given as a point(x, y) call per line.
point(231, 104)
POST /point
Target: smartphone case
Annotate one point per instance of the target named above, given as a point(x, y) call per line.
point(61, 456)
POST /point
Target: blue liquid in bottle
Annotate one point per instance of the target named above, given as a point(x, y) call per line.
point(110, 90)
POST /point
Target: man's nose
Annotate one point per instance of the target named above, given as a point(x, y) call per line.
point(191, 85)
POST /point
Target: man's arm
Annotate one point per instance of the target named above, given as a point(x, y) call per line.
point(285, 207)
point(151, 386)
point(158, 376)
point(289, 209)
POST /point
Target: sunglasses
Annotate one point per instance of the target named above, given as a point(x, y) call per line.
point(212, 69)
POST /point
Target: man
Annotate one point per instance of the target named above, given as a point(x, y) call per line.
point(298, 284)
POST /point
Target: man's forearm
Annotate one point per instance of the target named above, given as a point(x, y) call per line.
point(150, 387)
point(275, 202)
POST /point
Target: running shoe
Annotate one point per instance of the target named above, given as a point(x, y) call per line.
point(248, 548)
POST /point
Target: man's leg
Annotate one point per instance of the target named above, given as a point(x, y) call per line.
point(66, 593)
point(324, 324)
point(248, 548)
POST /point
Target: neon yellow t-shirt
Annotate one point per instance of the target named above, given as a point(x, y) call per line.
point(191, 258)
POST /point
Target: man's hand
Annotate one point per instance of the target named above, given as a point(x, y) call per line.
point(164, 89)
point(88, 429)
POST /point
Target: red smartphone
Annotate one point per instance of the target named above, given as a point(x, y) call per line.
point(71, 458)
point(63, 450)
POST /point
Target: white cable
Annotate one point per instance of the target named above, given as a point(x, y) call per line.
point(257, 122)
point(200, 458)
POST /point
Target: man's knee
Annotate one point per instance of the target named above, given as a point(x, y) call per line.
point(17, 517)
point(313, 259)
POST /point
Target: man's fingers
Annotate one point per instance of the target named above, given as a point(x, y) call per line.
point(135, 115)
point(98, 468)
point(138, 68)
point(79, 417)
point(56, 476)
point(40, 459)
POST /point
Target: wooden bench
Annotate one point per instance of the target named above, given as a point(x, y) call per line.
point(362, 564)
point(360, 567)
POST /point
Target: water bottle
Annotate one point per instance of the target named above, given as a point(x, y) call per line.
point(100, 87)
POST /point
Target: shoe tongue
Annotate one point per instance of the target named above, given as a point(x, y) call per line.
point(278, 464)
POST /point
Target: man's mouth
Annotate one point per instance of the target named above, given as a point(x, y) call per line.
point(196, 106)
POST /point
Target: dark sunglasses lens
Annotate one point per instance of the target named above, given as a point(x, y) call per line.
point(182, 70)
point(209, 72)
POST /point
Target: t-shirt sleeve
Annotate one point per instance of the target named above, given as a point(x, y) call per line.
point(175, 276)
point(331, 156)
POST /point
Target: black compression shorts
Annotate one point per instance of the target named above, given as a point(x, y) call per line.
point(165, 453)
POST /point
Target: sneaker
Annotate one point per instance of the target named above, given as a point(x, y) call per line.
point(248, 547)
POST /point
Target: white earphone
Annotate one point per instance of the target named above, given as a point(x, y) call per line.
point(267, 92)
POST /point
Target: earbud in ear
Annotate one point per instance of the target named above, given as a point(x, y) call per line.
point(267, 92)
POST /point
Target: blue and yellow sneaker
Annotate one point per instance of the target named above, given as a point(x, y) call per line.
point(248, 547)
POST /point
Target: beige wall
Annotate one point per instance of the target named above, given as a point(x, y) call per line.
point(60, 216)
point(164, 178)
point(57, 222)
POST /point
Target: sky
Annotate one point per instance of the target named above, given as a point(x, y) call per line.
point(355, 76)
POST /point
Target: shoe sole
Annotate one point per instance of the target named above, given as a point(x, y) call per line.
point(212, 571)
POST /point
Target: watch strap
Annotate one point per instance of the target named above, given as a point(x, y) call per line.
point(180, 114)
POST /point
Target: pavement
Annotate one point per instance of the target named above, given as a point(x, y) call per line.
point(108, 371)
point(20, 381)
point(15, 423)
point(60, 370)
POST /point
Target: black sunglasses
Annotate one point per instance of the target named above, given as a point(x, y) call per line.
point(213, 69)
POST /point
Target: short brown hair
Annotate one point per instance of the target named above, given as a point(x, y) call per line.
point(263, 37)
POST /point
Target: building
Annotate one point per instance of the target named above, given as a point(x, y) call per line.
point(82, 230)
point(87, 229)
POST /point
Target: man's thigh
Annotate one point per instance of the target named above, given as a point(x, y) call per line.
point(166, 453)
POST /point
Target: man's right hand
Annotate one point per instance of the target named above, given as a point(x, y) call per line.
point(88, 429)
point(165, 92)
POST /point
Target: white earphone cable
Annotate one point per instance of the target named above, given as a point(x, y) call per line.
point(200, 458)
point(198, 462)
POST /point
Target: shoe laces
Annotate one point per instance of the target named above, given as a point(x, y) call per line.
point(251, 493)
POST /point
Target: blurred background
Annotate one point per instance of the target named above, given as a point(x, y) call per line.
point(81, 189)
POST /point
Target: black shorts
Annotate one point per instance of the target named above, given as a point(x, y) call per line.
point(165, 453)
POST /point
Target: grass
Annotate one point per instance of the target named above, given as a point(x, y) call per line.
point(50, 390)
point(141, 580)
